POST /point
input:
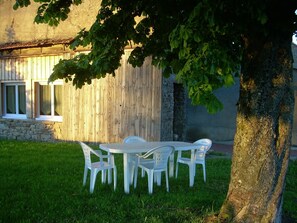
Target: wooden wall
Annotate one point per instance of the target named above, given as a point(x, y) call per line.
point(107, 110)
point(112, 108)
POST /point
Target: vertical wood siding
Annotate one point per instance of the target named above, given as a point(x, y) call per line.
point(108, 110)
point(112, 108)
point(27, 68)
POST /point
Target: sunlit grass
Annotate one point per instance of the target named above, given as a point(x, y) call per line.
point(42, 182)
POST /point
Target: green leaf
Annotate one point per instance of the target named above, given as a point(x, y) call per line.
point(21, 4)
point(212, 69)
point(167, 72)
point(229, 80)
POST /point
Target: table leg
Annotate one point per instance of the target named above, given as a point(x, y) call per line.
point(109, 170)
point(126, 173)
point(171, 165)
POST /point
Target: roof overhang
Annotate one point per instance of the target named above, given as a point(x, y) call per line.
point(32, 44)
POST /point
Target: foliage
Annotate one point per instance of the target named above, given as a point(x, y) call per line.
point(42, 182)
point(200, 41)
point(51, 12)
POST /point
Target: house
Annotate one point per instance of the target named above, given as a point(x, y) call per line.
point(134, 102)
point(137, 101)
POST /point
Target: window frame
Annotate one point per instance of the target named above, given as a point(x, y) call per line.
point(4, 104)
point(52, 117)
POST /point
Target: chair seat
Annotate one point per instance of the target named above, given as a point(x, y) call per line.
point(148, 165)
point(184, 160)
point(188, 160)
point(101, 165)
point(143, 161)
point(134, 158)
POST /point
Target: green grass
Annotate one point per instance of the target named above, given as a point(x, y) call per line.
point(290, 195)
point(42, 182)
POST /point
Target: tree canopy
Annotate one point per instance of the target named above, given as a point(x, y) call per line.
point(199, 41)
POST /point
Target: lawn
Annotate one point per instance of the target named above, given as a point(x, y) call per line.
point(42, 182)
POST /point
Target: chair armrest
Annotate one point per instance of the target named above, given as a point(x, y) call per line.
point(97, 152)
point(141, 160)
point(106, 156)
point(109, 156)
point(101, 154)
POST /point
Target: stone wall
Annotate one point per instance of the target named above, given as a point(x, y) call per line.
point(180, 98)
point(167, 109)
point(29, 130)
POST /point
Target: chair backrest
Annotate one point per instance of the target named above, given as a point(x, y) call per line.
point(160, 155)
point(203, 146)
point(133, 139)
point(87, 153)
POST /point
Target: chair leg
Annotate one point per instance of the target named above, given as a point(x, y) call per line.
point(114, 178)
point(204, 172)
point(85, 176)
point(158, 178)
point(167, 181)
point(103, 176)
point(109, 176)
point(150, 176)
point(132, 170)
point(171, 165)
point(135, 177)
point(110, 159)
point(176, 170)
point(93, 180)
point(192, 174)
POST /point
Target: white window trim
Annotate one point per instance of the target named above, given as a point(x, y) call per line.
point(49, 118)
point(8, 115)
point(54, 118)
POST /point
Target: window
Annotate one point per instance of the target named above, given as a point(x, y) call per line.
point(49, 103)
point(14, 105)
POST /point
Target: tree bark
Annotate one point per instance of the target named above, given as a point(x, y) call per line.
point(263, 135)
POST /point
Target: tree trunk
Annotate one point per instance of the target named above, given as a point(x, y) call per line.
point(263, 136)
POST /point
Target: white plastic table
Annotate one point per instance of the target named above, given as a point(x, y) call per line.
point(130, 148)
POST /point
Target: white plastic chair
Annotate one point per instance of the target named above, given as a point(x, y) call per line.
point(197, 157)
point(95, 167)
point(155, 165)
point(133, 139)
point(133, 157)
